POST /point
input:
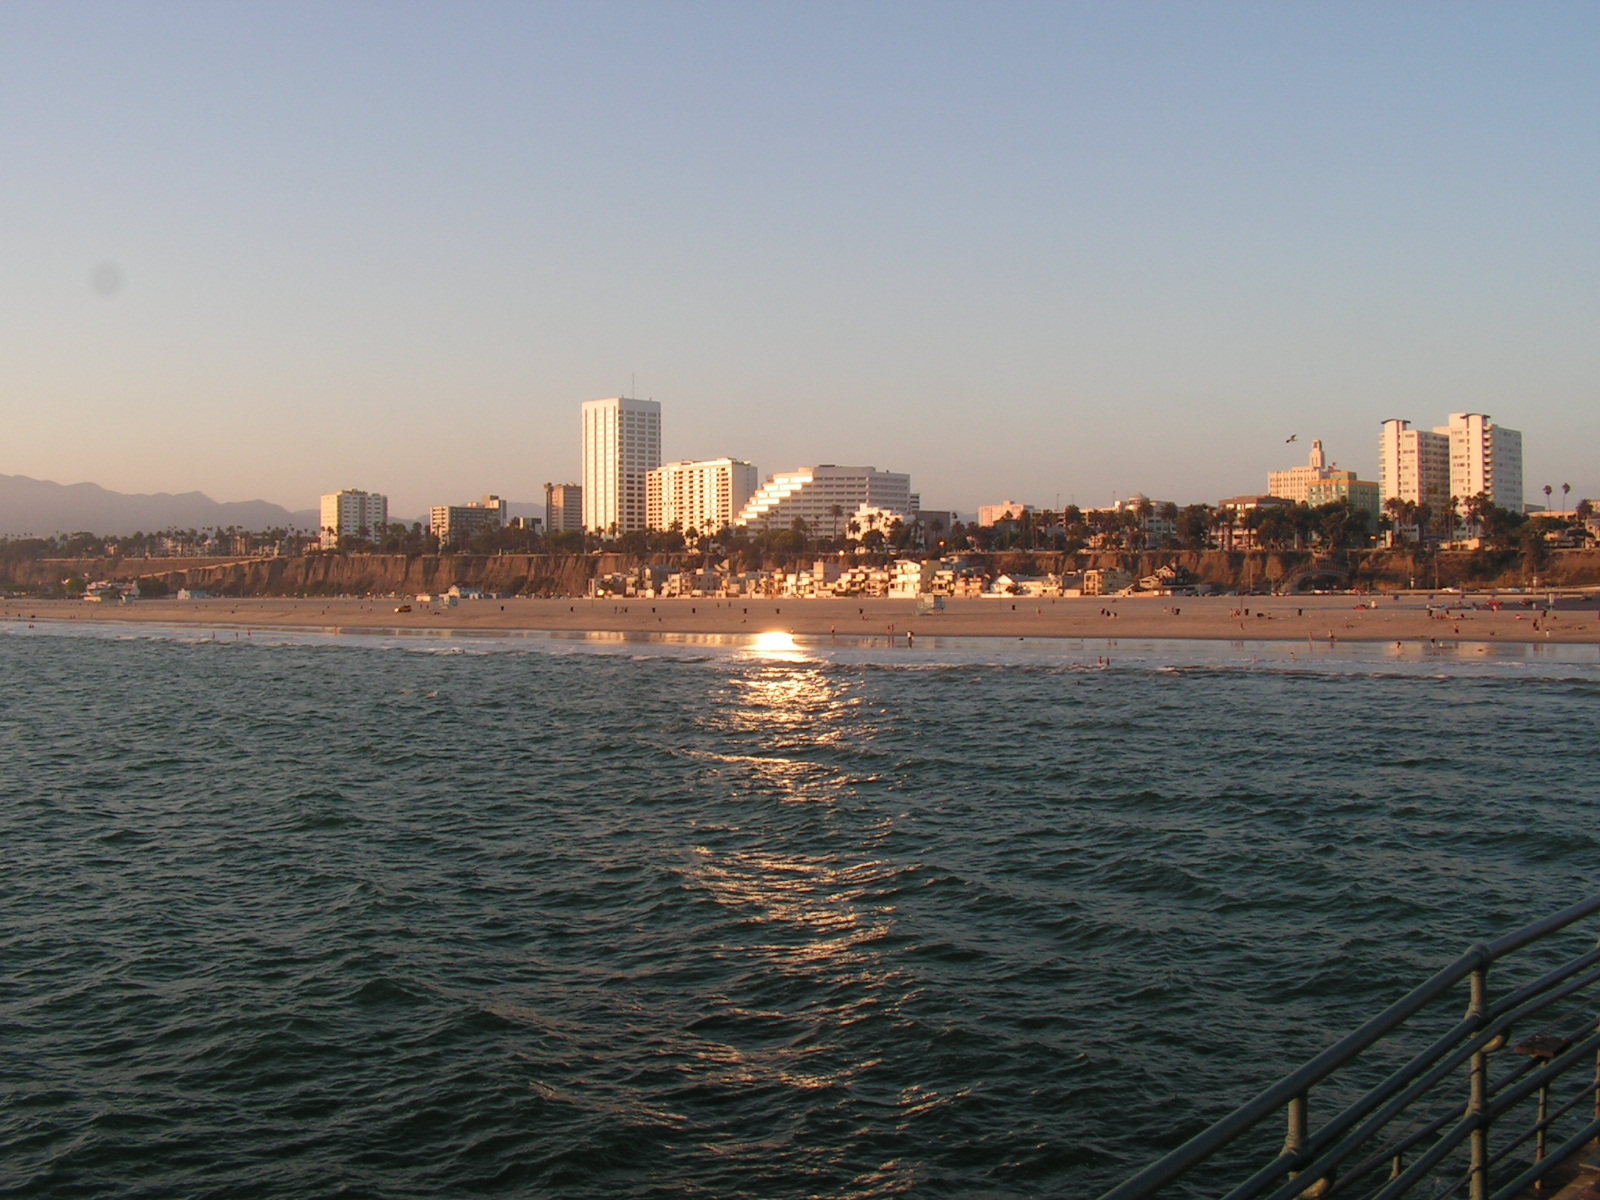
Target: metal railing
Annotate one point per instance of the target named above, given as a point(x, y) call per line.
point(1476, 1113)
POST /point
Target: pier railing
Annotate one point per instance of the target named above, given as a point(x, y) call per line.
point(1485, 1111)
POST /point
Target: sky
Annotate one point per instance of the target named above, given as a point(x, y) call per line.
point(1045, 252)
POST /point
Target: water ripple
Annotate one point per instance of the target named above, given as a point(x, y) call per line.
point(358, 917)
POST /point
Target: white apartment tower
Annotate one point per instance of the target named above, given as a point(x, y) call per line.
point(1413, 464)
point(1469, 455)
point(1484, 457)
point(621, 445)
point(703, 496)
point(352, 513)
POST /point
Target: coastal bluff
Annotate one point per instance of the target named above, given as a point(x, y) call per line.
point(330, 574)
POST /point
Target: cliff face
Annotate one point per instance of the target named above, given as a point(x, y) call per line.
point(569, 575)
point(333, 574)
point(336, 574)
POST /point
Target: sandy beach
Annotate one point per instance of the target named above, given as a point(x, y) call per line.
point(1403, 618)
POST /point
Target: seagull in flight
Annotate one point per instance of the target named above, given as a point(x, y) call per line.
point(1293, 437)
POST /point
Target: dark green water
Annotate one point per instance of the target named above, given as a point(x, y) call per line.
point(372, 917)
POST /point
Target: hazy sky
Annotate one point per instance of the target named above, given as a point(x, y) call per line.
point(1018, 250)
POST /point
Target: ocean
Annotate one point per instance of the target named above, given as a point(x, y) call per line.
point(306, 915)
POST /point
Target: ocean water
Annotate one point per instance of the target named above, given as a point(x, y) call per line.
point(305, 915)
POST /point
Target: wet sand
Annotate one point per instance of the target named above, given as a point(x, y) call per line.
point(1404, 618)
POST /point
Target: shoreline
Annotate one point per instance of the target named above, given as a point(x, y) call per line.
point(1311, 619)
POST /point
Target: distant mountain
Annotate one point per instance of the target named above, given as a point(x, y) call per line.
point(39, 508)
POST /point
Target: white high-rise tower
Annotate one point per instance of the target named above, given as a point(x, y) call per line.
point(621, 445)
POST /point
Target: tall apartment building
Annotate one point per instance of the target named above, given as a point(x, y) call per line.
point(704, 496)
point(1468, 455)
point(621, 445)
point(1484, 457)
point(826, 497)
point(352, 513)
point(455, 524)
point(563, 508)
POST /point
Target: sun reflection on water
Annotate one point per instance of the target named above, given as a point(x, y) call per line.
point(776, 645)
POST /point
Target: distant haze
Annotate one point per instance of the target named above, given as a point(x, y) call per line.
point(1037, 251)
point(40, 508)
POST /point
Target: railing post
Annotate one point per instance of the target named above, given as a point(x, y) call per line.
point(1478, 1101)
point(1294, 1141)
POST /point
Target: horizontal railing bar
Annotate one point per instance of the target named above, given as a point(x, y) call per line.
point(1583, 1095)
point(1328, 1158)
point(1512, 999)
point(1206, 1143)
point(1379, 1158)
point(1549, 1162)
point(1506, 1099)
point(1323, 1158)
point(1502, 946)
point(1431, 1157)
point(1387, 1153)
point(1222, 1133)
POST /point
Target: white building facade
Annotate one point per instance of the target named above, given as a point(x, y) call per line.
point(1413, 464)
point(704, 496)
point(621, 446)
point(1469, 455)
point(825, 497)
point(1484, 457)
point(352, 513)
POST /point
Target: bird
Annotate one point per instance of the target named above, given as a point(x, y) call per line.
point(1293, 437)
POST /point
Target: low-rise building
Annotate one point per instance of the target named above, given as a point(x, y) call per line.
point(912, 578)
point(990, 515)
point(1105, 581)
point(456, 524)
point(1239, 533)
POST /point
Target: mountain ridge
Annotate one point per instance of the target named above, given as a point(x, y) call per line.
point(41, 507)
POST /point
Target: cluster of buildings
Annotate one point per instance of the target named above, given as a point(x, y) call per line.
point(625, 487)
point(904, 578)
point(1468, 456)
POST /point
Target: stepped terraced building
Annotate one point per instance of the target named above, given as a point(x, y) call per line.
point(825, 497)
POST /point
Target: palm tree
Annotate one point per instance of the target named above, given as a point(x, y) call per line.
point(1566, 488)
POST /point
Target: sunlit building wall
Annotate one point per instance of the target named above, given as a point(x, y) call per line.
point(703, 496)
point(455, 524)
point(563, 508)
point(1413, 464)
point(1293, 483)
point(621, 446)
point(825, 497)
point(1362, 494)
point(993, 514)
point(1486, 458)
point(352, 513)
